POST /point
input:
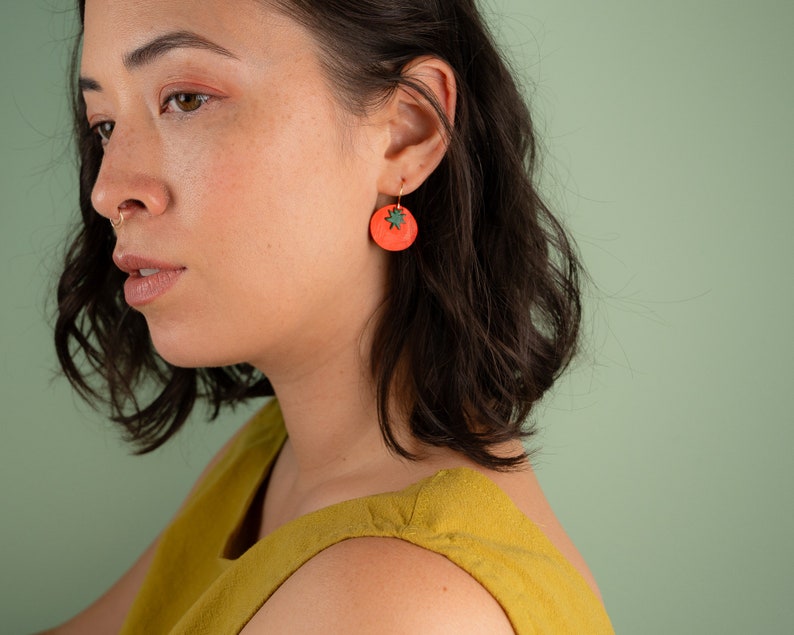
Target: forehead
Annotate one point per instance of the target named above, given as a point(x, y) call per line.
point(120, 26)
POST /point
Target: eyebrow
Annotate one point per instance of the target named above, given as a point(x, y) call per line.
point(156, 48)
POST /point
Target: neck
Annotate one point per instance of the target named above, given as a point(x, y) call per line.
point(332, 424)
point(330, 411)
point(334, 450)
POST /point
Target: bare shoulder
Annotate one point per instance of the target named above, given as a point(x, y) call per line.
point(380, 585)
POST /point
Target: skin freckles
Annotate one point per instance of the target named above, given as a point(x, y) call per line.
point(257, 193)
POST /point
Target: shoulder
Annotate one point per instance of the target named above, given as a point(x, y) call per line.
point(382, 585)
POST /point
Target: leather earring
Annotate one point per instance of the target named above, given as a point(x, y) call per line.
point(393, 227)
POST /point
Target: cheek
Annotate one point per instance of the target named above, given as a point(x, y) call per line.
point(272, 197)
point(286, 178)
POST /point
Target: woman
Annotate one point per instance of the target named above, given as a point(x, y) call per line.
point(328, 202)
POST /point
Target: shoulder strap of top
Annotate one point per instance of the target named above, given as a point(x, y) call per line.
point(539, 590)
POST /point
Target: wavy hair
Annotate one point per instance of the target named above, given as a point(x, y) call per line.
point(483, 311)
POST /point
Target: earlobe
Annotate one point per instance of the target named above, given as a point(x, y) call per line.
point(418, 133)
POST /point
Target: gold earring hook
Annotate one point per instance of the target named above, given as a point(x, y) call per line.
point(400, 195)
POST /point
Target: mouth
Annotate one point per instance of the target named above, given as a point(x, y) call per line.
point(148, 279)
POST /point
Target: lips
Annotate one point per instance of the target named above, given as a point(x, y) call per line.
point(148, 279)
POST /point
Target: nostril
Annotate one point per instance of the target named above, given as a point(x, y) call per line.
point(132, 204)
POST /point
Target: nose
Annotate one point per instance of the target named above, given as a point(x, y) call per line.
point(129, 178)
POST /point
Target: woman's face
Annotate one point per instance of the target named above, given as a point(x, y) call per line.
point(246, 188)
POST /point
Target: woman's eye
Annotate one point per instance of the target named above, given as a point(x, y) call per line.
point(103, 130)
point(179, 102)
point(186, 102)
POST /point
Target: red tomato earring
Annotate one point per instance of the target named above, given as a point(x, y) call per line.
point(393, 227)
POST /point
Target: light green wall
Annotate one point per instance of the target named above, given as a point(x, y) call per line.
point(667, 451)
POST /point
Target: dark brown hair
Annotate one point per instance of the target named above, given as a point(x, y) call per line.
point(483, 310)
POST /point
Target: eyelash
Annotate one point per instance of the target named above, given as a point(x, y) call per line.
point(100, 129)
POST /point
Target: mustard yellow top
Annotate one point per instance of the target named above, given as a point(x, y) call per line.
point(198, 585)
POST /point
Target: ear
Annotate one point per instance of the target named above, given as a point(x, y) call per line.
point(417, 139)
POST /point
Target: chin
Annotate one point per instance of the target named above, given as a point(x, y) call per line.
point(189, 352)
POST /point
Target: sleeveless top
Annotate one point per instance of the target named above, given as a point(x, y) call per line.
point(198, 583)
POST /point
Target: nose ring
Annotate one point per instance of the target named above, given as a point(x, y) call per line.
point(118, 222)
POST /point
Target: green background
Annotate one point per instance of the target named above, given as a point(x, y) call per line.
point(667, 450)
